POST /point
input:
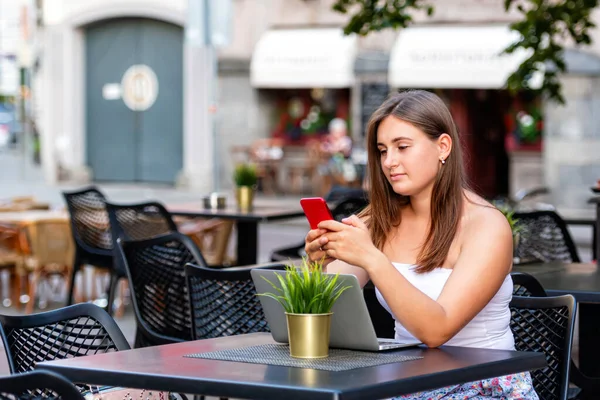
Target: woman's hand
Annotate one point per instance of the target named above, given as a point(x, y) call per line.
point(313, 248)
point(348, 241)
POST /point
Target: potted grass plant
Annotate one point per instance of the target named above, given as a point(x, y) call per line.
point(245, 178)
point(307, 295)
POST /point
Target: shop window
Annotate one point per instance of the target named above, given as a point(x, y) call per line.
point(302, 115)
point(524, 123)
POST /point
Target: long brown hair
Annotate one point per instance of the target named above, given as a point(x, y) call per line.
point(427, 112)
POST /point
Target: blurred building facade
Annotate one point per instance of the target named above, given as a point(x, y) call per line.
point(119, 90)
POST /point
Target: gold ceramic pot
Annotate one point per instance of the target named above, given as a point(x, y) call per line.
point(309, 334)
point(244, 196)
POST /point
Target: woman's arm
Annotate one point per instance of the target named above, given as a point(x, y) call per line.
point(484, 261)
point(341, 267)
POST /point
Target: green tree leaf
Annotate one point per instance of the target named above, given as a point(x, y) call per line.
point(544, 26)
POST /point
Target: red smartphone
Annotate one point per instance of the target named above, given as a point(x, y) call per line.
point(316, 210)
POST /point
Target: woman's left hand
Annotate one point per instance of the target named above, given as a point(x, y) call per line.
point(348, 241)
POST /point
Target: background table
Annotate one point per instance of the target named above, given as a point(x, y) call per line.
point(246, 223)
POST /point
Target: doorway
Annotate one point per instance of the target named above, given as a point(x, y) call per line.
point(134, 100)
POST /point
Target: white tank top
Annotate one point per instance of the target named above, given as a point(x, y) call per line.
point(489, 329)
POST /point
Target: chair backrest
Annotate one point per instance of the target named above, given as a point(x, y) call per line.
point(139, 221)
point(545, 324)
point(348, 206)
point(526, 285)
point(155, 269)
point(224, 301)
point(51, 242)
point(73, 331)
point(89, 219)
point(339, 193)
point(383, 322)
point(544, 237)
point(38, 385)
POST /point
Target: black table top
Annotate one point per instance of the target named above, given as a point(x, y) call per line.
point(582, 280)
point(166, 368)
point(260, 212)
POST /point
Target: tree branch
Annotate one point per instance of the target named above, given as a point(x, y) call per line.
point(545, 27)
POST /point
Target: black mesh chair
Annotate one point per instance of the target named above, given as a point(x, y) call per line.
point(545, 324)
point(139, 221)
point(526, 285)
point(38, 385)
point(342, 209)
point(73, 331)
point(224, 301)
point(544, 237)
point(155, 269)
point(91, 233)
point(383, 322)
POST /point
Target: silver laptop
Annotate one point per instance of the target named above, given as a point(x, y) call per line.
point(351, 326)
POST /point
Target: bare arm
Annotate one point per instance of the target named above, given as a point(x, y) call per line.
point(341, 267)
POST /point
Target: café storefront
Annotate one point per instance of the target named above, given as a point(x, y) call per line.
point(304, 79)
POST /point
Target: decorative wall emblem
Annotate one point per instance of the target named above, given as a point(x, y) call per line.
point(139, 87)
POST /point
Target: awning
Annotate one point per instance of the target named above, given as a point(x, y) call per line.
point(453, 57)
point(303, 58)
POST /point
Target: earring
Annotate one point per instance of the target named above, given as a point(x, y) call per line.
point(443, 161)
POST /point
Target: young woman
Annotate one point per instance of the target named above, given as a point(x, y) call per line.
point(438, 254)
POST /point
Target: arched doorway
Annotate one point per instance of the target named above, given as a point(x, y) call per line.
point(134, 100)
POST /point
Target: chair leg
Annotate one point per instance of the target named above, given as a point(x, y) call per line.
point(139, 340)
point(33, 285)
point(71, 287)
point(112, 286)
point(15, 288)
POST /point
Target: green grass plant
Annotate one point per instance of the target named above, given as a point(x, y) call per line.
point(245, 175)
point(305, 289)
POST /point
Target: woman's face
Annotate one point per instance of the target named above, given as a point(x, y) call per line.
point(409, 159)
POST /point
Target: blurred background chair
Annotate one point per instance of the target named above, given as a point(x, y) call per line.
point(90, 227)
point(51, 254)
point(543, 237)
point(22, 203)
point(138, 221)
point(155, 269)
point(267, 154)
point(13, 247)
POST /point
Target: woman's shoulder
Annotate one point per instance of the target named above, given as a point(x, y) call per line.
point(480, 216)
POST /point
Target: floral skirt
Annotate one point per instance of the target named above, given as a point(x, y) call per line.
point(509, 387)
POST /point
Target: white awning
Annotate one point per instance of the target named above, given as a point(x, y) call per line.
point(303, 58)
point(453, 57)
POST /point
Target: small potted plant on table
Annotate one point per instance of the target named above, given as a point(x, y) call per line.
point(307, 295)
point(245, 178)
